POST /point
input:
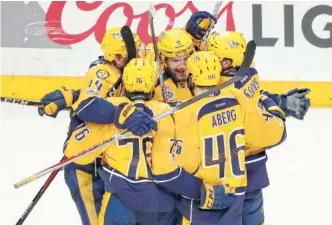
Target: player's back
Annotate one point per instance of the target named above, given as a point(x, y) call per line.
point(214, 127)
point(127, 163)
point(213, 142)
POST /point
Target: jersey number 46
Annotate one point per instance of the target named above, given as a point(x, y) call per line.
point(227, 158)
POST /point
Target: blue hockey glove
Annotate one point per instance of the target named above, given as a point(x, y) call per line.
point(295, 103)
point(215, 197)
point(58, 100)
point(138, 122)
point(199, 23)
point(272, 107)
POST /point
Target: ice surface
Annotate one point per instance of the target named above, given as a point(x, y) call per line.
point(300, 170)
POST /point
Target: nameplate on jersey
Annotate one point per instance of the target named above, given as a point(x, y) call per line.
point(216, 105)
point(239, 84)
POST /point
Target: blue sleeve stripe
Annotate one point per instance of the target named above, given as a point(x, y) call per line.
point(180, 182)
point(85, 105)
point(162, 178)
point(96, 110)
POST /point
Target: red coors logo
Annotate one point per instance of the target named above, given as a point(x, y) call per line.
point(57, 34)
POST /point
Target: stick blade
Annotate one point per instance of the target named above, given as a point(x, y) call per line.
point(248, 58)
point(129, 41)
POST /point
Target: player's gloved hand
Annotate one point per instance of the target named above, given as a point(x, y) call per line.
point(295, 103)
point(57, 101)
point(272, 107)
point(199, 23)
point(215, 197)
point(138, 122)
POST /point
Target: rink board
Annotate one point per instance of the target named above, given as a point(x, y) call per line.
point(35, 87)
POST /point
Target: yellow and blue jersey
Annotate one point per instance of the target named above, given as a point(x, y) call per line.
point(255, 159)
point(128, 162)
point(176, 91)
point(216, 133)
point(100, 82)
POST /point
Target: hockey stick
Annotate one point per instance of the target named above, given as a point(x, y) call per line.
point(248, 58)
point(152, 13)
point(214, 13)
point(38, 196)
point(27, 103)
point(21, 101)
point(24, 102)
point(129, 41)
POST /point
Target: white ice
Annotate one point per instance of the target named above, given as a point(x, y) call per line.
point(300, 170)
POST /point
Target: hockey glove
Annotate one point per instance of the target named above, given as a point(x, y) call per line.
point(270, 106)
point(199, 23)
point(294, 103)
point(58, 100)
point(138, 122)
point(215, 197)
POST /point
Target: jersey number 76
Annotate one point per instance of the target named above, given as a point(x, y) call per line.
point(137, 145)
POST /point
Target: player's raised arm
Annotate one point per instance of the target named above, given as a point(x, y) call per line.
point(198, 25)
point(62, 98)
point(264, 128)
point(294, 103)
point(103, 80)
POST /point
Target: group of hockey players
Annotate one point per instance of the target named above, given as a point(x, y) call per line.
point(204, 164)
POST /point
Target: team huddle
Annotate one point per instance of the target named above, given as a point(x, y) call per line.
point(202, 165)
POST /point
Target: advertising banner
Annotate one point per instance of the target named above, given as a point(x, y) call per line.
point(61, 38)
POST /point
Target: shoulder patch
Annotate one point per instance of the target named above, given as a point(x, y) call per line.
point(102, 74)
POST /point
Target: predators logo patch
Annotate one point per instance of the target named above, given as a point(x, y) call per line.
point(102, 74)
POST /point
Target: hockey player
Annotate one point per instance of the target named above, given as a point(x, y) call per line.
point(217, 132)
point(175, 47)
point(101, 81)
point(229, 47)
point(177, 88)
point(129, 163)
